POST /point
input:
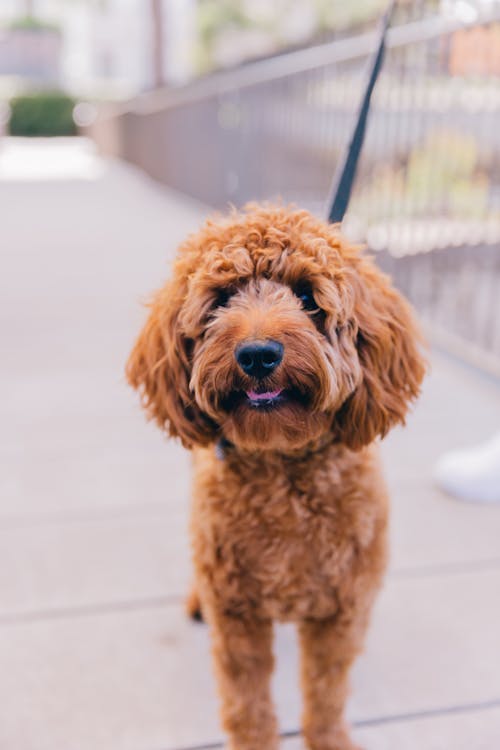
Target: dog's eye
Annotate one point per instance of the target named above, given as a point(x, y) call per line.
point(306, 296)
point(222, 297)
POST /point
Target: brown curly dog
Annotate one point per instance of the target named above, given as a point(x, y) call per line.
point(278, 353)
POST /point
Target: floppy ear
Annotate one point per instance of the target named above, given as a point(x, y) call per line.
point(159, 368)
point(388, 345)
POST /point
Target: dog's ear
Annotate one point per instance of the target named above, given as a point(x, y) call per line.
point(159, 368)
point(389, 347)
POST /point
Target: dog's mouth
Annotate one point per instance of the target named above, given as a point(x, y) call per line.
point(265, 400)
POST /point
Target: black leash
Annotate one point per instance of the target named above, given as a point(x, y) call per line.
point(342, 183)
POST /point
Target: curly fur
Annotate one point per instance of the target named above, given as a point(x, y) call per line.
point(291, 524)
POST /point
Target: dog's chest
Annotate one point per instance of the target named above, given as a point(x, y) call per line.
point(294, 563)
point(283, 542)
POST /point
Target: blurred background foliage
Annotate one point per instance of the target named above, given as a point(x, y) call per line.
point(42, 113)
point(443, 173)
point(228, 29)
point(33, 23)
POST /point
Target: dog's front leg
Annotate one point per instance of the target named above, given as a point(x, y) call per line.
point(242, 649)
point(328, 648)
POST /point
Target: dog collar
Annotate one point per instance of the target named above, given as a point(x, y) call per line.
point(221, 448)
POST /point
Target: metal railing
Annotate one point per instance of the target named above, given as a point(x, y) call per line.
point(427, 192)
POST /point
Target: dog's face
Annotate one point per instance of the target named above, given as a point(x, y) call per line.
point(272, 333)
point(275, 357)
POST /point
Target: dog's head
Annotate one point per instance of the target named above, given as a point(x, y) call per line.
point(274, 332)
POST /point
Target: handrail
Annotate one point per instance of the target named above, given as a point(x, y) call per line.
point(291, 63)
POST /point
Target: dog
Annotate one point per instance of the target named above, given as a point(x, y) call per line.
point(278, 353)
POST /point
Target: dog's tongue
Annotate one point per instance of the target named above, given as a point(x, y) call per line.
point(266, 396)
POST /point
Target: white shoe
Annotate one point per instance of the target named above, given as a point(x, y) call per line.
point(472, 474)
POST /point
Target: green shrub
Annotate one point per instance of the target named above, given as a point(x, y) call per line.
point(42, 113)
point(31, 23)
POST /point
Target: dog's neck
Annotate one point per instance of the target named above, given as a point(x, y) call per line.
point(224, 450)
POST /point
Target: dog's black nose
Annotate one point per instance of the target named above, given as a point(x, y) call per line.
point(259, 358)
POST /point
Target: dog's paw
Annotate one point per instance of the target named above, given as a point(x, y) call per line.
point(344, 744)
point(193, 606)
point(335, 740)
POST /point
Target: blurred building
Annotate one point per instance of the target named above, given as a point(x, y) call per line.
point(476, 51)
point(102, 48)
point(31, 51)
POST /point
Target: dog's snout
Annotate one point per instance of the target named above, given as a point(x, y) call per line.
point(259, 358)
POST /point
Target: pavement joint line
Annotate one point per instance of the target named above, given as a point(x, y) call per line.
point(80, 515)
point(428, 713)
point(168, 600)
point(447, 568)
point(90, 610)
point(378, 721)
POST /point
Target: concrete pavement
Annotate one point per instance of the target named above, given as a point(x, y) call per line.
point(95, 652)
